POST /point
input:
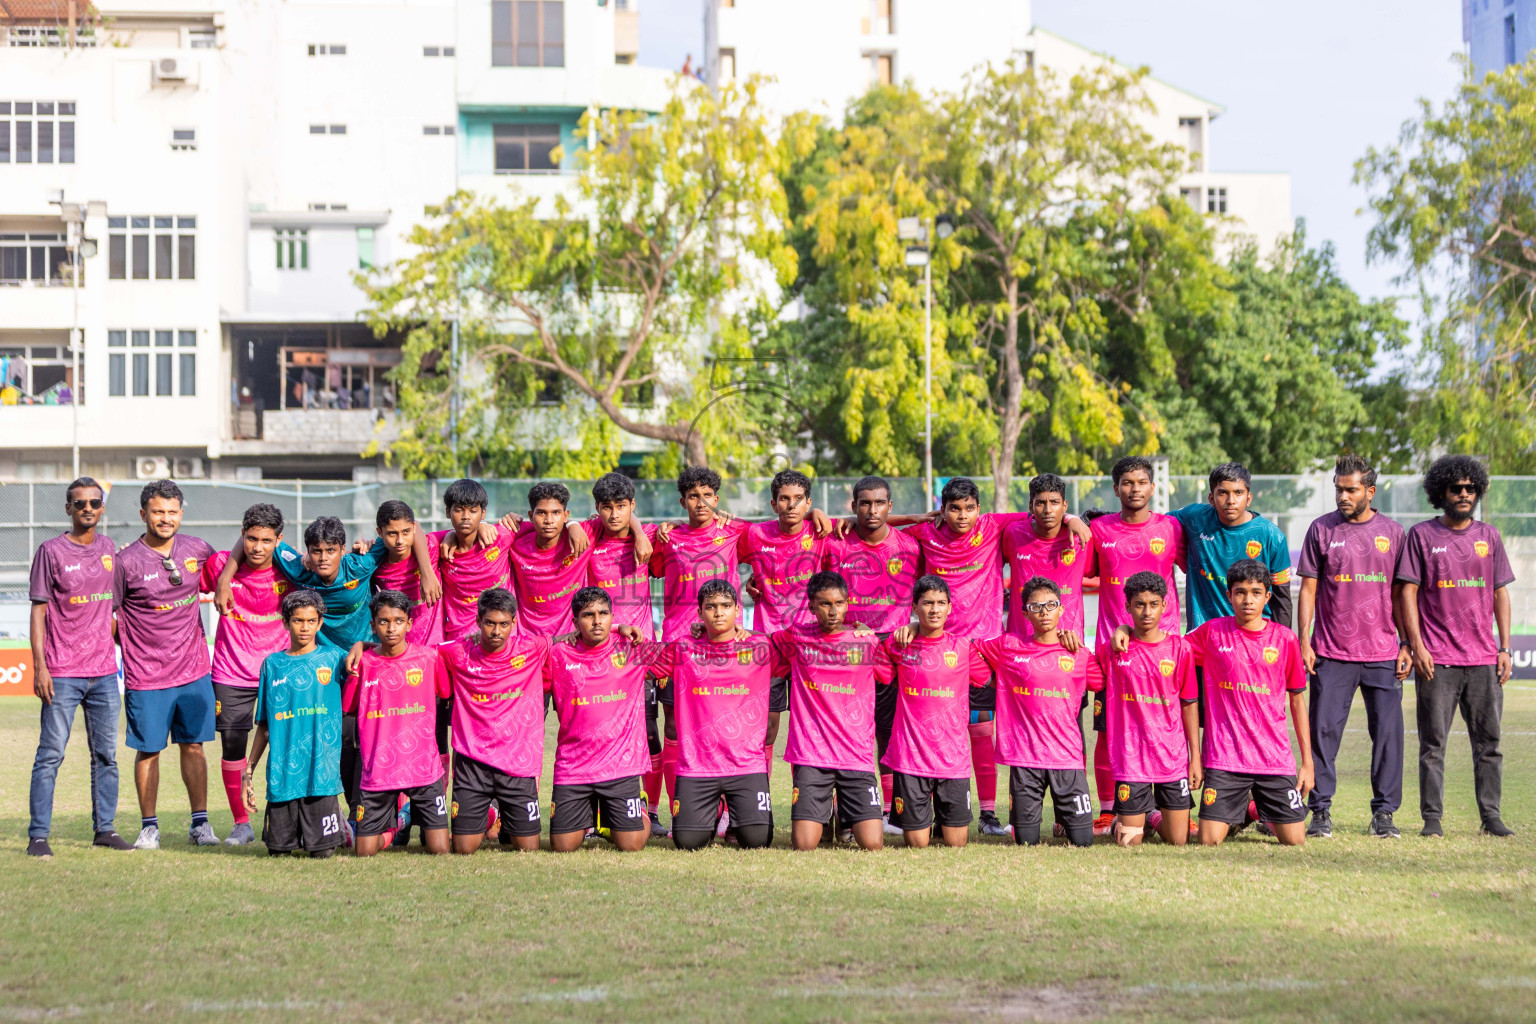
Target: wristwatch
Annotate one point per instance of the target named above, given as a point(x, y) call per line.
point(1504, 650)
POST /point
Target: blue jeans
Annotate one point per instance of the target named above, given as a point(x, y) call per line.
point(100, 701)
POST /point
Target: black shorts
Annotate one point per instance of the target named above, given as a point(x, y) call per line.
point(984, 698)
point(697, 801)
point(858, 795)
point(310, 823)
point(1226, 795)
point(885, 715)
point(1069, 796)
point(1145, 797)
point(574, 808)
point(917, 801)
point(778, 694)
point(234, 708)
point(476, 785)
point(377, 808)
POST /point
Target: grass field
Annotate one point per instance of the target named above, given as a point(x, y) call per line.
point(1348, 929)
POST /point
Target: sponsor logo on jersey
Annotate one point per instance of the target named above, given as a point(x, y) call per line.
point(951, 659)
point(1383, 545)
point(413, 676)
point(1065, 662)
point(1157, 545)
point(1253, 548)
point(1481, 547)
point(1208, 797)
point(1271, 655)
point(794, 796)
point(897, 805)
point(893, 567)
point(106, 562)
point(1122, 792)
point(1165, 666)
point(324, 675)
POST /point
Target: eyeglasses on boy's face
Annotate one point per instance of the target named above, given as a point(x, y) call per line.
point(1036, 607)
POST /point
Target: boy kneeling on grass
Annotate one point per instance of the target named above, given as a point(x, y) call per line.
point(1253, 673)
point(298, 715)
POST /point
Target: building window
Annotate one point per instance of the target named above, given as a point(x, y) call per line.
point(528, 33)
point(885, 16)
point(202, 38)
point(117, 364)
point(292, 248)
point(1215, 200)
point(439, 129)
point(437, 51)
point(172, 363)
point(174, 247)
point(35, 259)
point(338, 378)
point(327, 49)
point(885, 68)
point(1192, 130)
point(526, 148)
point(1510, 54)
point(323, 129)
point(1191, 195)
point(727, 64)
point(37, 374)
point(184, 139)
point(364, 248)
point(37, 132)
point(50, 35)
point(186, 248)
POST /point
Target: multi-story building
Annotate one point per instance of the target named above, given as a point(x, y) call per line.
point(236, 167)
point(935, 44)
point(1498, 33)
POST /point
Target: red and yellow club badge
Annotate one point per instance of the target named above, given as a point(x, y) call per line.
point(280, 587)
point(455, 809)
point(718, 539)
point(1481, 547)
point(619, 659)
point(1165, 666)
point(190, 564)
point(218, 706)
point(855, 656)
point(1254, 549)
point(897, 805)
point(351, 584)
point(677, 805)
point(744, 657)
point(807, 542)
point(492, 553)
point(413, 676)
point(1122, 792)
point(1209, 797)
point(1158, 545)
point(893, 567)
point(359, 813)
point(975, 540)
point(951, 659)
point(1271, 655)
point(1098, 707)
point(794, 796)
point(1069, 555)
point(106, 562)
point(519, 660)
point(1065, 662)
point(323, 675)
point(1383, 544)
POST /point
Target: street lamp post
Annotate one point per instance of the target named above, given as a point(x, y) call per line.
point(80, 249)
point(913, 229)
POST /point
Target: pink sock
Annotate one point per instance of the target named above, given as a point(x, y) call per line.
point(234, 789)
point(1154, 820)
point(886, 782)
point(768, 758)
point(984, 764)
point(669, 766)
point(1103, 775)
point(1253, 811)
point(651, 780)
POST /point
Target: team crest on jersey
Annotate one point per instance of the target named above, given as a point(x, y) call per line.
point(893, 567)
point(1157, 545)
point(1165, 667)
point(1271, 655)
point(519, 660)
point(1098, 708)
point(1122, 792)
point(807, 541)
point(280, 587)
point(951, 659)
point(413, 676)
point(1065, 662)
point(492, 553)
point(351, 584)
point(567, 560)
point(1383, 545)
point(106, 562)
point(1069, 556)
point(618, 658)
point(717, 540)
point(1254, 548)
point(744, 657)
point(1209, 797)
point(794, 796)
point(855, 656)
point(324, 675)
point(191, 563)
point(897, 805)
point(1481, 547)
point(975, 540)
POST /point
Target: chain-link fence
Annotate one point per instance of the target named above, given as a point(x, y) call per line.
point(32, 512)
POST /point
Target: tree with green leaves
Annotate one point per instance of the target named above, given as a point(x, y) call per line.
point(603, 314)
point(1455, 206)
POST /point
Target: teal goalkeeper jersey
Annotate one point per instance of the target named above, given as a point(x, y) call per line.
point(346, 597)
point(1212, 547)
point(299, 701)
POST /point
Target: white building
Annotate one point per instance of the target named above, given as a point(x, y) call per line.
point(934, 44)
point(239, 163)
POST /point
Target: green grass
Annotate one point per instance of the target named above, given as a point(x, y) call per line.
point(1348, 929)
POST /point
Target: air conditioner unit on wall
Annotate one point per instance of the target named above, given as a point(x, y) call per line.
point(151, 467)
point(172, 69)
point(189, 469)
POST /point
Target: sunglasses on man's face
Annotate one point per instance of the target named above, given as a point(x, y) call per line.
point(175, 577)
point(80, 504)
point(1462, 489)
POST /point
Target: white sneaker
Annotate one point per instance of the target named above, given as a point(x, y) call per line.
point(149, 839)
point(202, 835)
point(889, 829)
point(241, 834)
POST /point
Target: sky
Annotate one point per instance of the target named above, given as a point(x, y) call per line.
point(1307, 85)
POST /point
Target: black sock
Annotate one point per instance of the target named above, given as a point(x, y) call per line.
point(150, 822)
point(199, 818)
